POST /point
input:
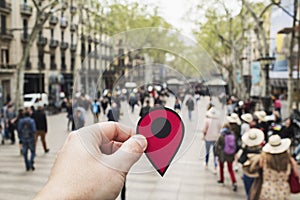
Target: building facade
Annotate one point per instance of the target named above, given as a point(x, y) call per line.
point(64, 46)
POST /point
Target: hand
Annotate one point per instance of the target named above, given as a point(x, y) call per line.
point(93, 163)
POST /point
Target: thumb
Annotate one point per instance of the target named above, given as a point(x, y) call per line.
point(128, 154)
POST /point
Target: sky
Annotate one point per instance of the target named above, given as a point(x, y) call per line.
point(180, 13)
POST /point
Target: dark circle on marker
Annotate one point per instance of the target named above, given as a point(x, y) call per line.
point(161, 128)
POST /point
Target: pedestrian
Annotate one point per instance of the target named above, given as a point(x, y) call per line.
point(21, 115)
point(262, 123)
point(104, 104)
point(5, 134)
point(252, 145)
point(40, 119)
point(27, 129)
point(79, 118)
point(69, 113)
point(11, 118)
point(145, 110)
point(113, 113)
point(276, 163)
point(1, 127)
point(277, 105)
point(95, 107)
point(158, 101)
point(132, 101)
point(177, 106)
point(246, 120)
point(225, 150)
point(229, 106)
point(190, 105)
point(287, 130)
point(235, 126)
point(211, 132)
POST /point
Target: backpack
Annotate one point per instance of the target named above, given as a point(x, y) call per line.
point(230, 144)
point(26, 129)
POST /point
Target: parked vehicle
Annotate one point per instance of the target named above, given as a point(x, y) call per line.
point(35, 100)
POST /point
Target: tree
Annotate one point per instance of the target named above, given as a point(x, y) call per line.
point(43, 12)
point(223, 36)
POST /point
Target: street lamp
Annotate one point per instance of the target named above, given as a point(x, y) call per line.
point(266, 62)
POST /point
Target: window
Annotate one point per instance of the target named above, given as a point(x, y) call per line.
point(82, 50)
point(72, 62)
point(25, 28)
point(52, 33)
point(4, 56)
point(52, 61)
point(41, 59)
point(28, 64)
point(89, 48)
point(3, 24)
point(62, 36)
point(63, 61)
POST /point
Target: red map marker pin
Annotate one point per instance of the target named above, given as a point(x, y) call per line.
point(164, 131)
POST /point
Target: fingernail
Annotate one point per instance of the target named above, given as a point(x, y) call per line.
point(141, 140)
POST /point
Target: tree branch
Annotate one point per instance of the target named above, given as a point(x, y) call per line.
point(36, 5)
point(51, 4)
point(266, 9)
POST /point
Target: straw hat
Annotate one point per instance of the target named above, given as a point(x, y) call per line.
point(234, 118)
point(212, 113)
point(261, 115)
point(253, 137)
point(247, 117)
point(276, 145)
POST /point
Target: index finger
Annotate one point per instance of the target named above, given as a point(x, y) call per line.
point(105, 132)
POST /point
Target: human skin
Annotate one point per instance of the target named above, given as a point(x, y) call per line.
point(82, 170)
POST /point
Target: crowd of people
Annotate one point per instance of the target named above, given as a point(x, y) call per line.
point(29, 123)
point(260, 143)
point(256, 141)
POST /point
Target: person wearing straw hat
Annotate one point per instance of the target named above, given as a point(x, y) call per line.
point(247, 118)
point(211, 132)
point(252, 141)
point(262, 123)
point(276, 163)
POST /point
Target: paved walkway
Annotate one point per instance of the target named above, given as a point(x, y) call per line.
point(185, 179)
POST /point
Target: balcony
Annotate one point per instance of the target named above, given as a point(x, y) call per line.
point(7, 68)
point(73, 47)
point(64, 46)
point(53, 20)
point(6, 35)
point(53, 44)
point(24, 37)
point(73, 10)
point(42, 41)
point(73, 27)
point(26, 10)
point(63, 23)
point(5, 7)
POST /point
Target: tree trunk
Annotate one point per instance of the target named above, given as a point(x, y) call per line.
point(22, 63)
